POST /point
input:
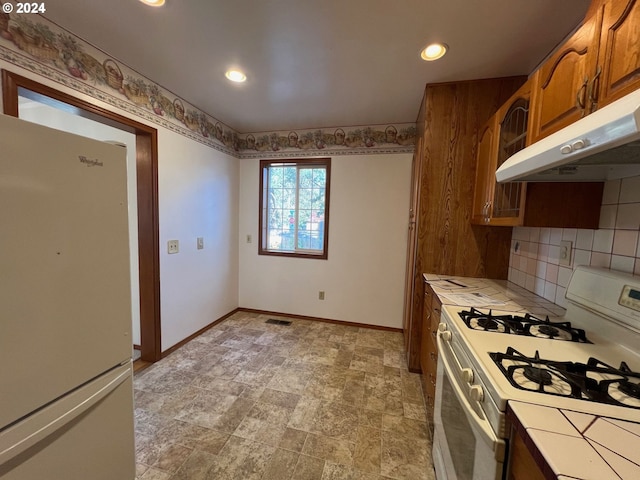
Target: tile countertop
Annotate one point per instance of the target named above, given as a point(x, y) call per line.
point(576, 445)
point(571, 445)
point(508, 296)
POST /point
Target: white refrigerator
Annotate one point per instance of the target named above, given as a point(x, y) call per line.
point(66, 397)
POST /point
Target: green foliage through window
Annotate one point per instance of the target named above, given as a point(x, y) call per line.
point(294, 207)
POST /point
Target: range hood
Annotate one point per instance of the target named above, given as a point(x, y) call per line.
point(602, 146)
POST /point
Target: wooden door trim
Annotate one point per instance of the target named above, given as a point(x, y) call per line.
point(147, 187)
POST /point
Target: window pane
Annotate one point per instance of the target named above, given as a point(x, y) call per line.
point(293, 217)
point(306, 177)
point(289, 198)
point(290, 174)
point(306, 197)
point(317, 199)
point(276, 175)
point(320, 177)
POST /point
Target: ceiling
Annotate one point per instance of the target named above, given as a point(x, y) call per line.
point(315, 64)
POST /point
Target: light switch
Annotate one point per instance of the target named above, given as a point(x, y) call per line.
point(200, 243)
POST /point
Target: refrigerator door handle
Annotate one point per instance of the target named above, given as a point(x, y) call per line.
point(38, 426)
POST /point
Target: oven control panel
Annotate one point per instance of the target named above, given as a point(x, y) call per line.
point(630, 297)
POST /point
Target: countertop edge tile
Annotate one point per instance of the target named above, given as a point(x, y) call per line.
point(545, 418)
point(627, 469)
point(581, 421)
point(558, 450)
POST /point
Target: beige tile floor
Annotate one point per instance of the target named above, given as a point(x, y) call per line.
point(313, 400)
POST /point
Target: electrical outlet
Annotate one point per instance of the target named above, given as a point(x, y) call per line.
point(565, 252)
point(173, 246)
point(321, 295)
point(200, 243)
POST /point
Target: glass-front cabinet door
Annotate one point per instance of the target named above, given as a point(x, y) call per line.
point(508, 198)
point(506, 132)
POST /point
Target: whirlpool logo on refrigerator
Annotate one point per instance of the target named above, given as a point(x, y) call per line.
point(89, 162)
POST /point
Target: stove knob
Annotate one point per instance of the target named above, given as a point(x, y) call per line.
point(442, 326)
point(446, 335)
point(476, 393)
point(467, 375)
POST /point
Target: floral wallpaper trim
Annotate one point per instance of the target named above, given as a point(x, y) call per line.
point(396, 138)
point(38, 45)
point(42, 47)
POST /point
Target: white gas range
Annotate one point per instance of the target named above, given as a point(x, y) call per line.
point(591, 365)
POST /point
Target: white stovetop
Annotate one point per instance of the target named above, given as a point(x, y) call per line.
point(481, 343)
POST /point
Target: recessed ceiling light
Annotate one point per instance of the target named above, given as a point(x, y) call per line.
point(153, 3)
point(433, 51)
point(235, 76)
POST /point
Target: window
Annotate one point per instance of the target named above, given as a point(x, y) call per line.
point(294, 207)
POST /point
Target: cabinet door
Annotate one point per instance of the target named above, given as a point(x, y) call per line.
point(507, 207)
point(426, 328)
point(484, 173)
point(561, 85)
point(430, 362)
point(522, 465)
point(619, 57)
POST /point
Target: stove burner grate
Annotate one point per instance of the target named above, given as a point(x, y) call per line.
point(537, 375)
point(549, 330)
point(629, 388)
point(527, 325)
point(487, 323)
point(594, 381)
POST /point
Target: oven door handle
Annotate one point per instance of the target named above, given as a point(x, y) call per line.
point(482, 424)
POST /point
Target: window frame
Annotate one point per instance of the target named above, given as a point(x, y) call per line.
point(262, 232)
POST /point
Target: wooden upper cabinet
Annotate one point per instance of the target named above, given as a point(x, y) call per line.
point(506, 133)
point(618, 70)
point(485, 162)
point(561, 92)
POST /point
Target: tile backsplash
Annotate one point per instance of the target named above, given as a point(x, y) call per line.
point(535, 252)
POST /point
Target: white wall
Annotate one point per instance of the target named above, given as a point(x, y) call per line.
point(364, 275)
point(198, 190)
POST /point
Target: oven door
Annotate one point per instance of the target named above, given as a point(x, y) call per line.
point(465, 446)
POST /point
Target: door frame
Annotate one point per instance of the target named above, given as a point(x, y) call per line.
point(147, 196)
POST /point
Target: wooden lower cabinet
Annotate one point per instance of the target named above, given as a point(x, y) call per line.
point(429, 349)
point(522, 465)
